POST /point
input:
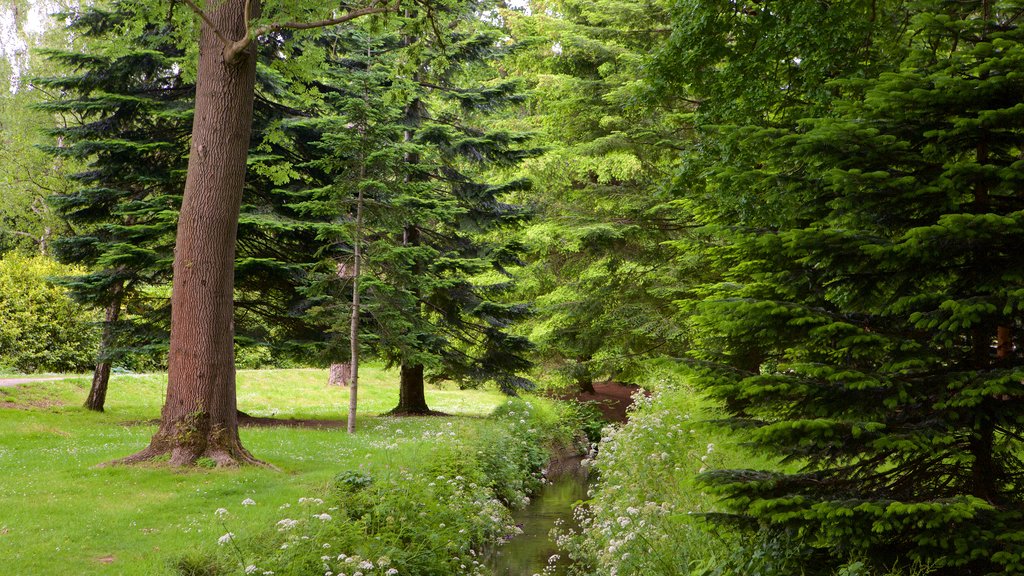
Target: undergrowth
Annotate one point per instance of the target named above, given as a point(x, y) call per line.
point(431, 512)
point(648, 514)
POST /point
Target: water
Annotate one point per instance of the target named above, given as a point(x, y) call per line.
point(528, 553)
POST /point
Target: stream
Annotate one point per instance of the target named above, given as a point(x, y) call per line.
point(527, 554)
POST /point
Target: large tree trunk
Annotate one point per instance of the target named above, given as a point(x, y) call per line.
point(199, 415)
point(101, 376)
point(411, 397)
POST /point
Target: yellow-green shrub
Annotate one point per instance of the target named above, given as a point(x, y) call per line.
point(41, 328)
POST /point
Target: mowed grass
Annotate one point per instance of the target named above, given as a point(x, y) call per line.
point(60, 513)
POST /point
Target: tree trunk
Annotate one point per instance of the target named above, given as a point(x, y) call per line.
point(582, 375)
point(357, 255)
point(340, 375)
point(411, 397)
point(199, 416)
point(101, 376)
point(1004, 343)
point(585, 384)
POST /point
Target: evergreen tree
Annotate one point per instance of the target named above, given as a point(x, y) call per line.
point(597, 268)
point(425, 306)
point(128, 114)
point(868, 338)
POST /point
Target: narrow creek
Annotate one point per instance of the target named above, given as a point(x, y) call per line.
point(528, 553)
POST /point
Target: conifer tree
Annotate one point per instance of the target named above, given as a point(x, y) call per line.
point(425, 213)
point(597, 268)
point(127, 115)
point(869, 340)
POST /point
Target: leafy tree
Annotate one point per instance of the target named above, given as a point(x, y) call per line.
point(27, 177)
point(41, 327)
point(866, 333)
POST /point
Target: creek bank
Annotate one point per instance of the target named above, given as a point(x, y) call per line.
point(533, 551)
point(567, 482)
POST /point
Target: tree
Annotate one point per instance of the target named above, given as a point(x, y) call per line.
point(126, 117)
point(425, 305)
point(598, 270)
point(199, 417)
point(884, 313)
point(448, 273)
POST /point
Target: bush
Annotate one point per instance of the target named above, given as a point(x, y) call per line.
point(649, 510)
point(639, 519)
point(443, 498)
point(41, 328)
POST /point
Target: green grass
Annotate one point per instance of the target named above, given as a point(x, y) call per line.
point(60, 513)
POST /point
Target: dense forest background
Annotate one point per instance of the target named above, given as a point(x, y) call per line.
point(809, 212)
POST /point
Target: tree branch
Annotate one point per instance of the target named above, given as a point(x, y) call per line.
point(233, 50)
point(199, 12)
point(320, 23)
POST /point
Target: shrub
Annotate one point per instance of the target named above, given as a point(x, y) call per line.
point(443, 498)
point(41, 328)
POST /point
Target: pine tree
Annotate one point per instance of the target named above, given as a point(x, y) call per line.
point(423, 308)
point(870, 341)
point(131, 112)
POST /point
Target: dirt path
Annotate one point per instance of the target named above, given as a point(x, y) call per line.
point(613, 399)
point(28, 380)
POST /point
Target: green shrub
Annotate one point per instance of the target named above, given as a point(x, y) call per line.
point(644, 516)
point(433, 514)
point(41, 328)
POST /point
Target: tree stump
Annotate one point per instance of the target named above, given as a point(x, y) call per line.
point(341, 375)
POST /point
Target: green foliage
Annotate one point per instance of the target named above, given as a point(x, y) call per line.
point(418, 151)
point(642, 518)
point(863, 331)
point(41, 328)
point(131, 108)
point(431, 516)
point(27, 177)
point(595, 267)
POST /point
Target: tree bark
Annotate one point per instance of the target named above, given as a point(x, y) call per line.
point(411, 397)
point(340, 375)
point(101, 376)
point(585, 384)
point(357, 256)
point(199, 416)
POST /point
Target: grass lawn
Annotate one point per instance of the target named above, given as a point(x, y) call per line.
point(59, 513)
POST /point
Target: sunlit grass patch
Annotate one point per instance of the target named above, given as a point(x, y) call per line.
point(60, 512)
